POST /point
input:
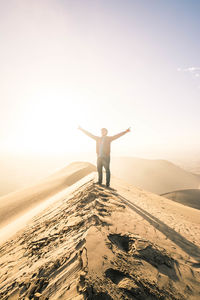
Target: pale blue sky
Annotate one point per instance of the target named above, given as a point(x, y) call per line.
point(112, 64)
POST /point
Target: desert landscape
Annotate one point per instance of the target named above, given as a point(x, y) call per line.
point(99, 243)
point(154, 175)
point(99, 150)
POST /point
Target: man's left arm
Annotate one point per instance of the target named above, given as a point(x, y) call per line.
point(116, 136)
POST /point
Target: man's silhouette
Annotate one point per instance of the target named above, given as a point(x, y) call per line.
point(103, 151)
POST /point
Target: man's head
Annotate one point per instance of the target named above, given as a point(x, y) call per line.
point(104, 132)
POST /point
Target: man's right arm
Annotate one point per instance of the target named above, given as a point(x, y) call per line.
point(94, 137)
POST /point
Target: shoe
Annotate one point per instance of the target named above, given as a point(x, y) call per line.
point(99, 183)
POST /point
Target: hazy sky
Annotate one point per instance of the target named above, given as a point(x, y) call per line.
point(112, 63)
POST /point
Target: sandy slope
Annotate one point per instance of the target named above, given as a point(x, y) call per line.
point(15, 204)
point(189, 197)
point(105, 244)
point(157, 176)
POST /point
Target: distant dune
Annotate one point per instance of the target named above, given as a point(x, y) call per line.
point(189, 197)
point(99, 243)
point(157, 176)
point(190, 164)
point(16, 203)
point(20, 171)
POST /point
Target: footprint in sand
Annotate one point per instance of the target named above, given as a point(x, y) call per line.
point(125, 282)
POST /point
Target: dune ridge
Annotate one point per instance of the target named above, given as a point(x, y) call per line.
point(105, 244)
point(15, 204)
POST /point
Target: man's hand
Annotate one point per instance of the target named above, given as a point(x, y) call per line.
point(128, 130)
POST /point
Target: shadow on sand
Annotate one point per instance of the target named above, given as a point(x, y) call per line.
point(187, 246)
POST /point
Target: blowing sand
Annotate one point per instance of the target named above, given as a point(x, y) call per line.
point(98, 243)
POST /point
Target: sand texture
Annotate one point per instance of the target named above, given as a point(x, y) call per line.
point(105, 244)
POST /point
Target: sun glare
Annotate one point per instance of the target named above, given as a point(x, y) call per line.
point(49, 123)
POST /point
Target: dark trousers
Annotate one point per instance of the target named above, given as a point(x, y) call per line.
point(103, 162)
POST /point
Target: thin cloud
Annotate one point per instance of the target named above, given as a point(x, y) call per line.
point(195, 71)
point(190, 69)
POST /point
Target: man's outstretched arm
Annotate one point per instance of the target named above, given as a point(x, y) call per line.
point(88, 133)
point(114, 137)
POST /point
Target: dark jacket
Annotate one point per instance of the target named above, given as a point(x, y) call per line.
point(107, 142)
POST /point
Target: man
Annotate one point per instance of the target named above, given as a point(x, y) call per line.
point(103, 151)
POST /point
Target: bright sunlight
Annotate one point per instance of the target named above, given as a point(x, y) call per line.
point(49, 123)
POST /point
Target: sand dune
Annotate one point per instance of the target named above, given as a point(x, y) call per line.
point(191, 164)
point(105, 244)
point(189, 197)
point(15, 204)
point(157, 176)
